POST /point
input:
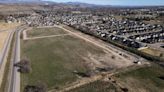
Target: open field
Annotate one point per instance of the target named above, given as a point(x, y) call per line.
point(8, 9)
point(159, 20)
point(147, 79)
point(97, 86)
point(55, 60)
point(153, 52)
point(4, 8)
point(36, 32)
point(3, 33)
point(3, 37)
point(8, 26)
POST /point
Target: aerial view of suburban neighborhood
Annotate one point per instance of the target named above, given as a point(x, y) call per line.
point(81, 45)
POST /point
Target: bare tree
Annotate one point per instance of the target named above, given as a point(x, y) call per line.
point(39, 87)
point(24, 66)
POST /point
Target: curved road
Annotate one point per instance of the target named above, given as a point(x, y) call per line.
point(14, 76)
point(4, 55)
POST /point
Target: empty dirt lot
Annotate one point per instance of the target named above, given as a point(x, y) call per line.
point(8, 26)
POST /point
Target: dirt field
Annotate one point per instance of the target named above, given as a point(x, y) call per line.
point(147, 79)
point(57, 59)
point(98, 86)
point(3, 36)
point(129, 57)
point(7, 26)
point(36, 32)
point(8, 9)
point(153, 52)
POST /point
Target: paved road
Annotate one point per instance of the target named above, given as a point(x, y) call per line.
point(14, 80)
point(4, 55)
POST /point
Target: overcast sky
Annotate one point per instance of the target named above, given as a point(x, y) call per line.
point(117, 2)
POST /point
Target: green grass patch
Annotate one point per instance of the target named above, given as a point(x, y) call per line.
point(35, 32)
point(54, 59)
point(98, 86)
point(144, 79)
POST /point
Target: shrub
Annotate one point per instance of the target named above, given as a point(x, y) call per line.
point(40, 87)
point(24, 66)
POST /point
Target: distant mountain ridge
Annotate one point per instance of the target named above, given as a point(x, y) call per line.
point(81, 4)
point(40, 2)
point(19, 1)
point(73, 4)
point(45, 2)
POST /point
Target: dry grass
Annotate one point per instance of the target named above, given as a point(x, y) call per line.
point(17, 8)
point(97, 86)
point(37, 32)
point(151, 51)
point(3, 36)
point(118, 17)
point(8, 26)
point(154, 22)
point(145, 79)
point(55, 59)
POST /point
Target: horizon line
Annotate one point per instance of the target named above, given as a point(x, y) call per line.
point(102, 4)
point(119, 5)
point(105, 4)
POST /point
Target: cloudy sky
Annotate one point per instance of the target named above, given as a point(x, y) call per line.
point(117, 2)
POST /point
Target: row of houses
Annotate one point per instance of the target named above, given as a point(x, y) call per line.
point(107, 27)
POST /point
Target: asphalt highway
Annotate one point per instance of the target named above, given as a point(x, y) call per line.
point(14, 80)
point(4, 54)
